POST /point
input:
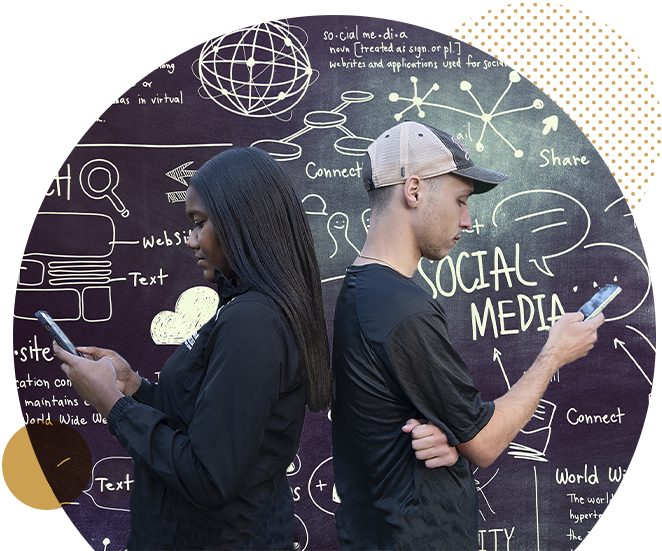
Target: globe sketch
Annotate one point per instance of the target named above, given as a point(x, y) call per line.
point(259, 71)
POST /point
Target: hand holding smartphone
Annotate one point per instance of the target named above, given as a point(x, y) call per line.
point(599, 301)
point(57, 333)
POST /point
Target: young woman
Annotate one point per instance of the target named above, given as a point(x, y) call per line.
point(211, 441)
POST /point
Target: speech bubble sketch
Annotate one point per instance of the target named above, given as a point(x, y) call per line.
point(193, 309)
point(111, 481)
point(622, 266)
point(549, 222)
point(314, 204)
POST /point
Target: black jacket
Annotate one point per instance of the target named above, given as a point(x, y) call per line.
point(211, 442)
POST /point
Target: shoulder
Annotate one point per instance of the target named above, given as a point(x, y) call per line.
point(251, 315)
point(385, 299)
point(252, 307)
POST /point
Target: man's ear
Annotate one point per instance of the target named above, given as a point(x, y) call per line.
point(411, 191)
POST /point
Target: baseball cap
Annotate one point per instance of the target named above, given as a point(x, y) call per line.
point(413, 148)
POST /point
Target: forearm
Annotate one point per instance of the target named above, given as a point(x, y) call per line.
point(512, 412)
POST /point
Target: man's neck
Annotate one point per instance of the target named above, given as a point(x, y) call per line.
point(390, 248)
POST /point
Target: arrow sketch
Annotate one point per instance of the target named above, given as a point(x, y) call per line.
point(496, 357)
point(551, 123)
point(178, 174)
point(621, 343)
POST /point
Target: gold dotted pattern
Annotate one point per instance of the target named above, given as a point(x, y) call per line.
point(590, 72)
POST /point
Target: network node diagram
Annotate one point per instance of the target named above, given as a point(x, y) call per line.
point(487, 118)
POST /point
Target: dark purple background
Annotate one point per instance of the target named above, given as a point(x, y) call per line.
point(600, 384)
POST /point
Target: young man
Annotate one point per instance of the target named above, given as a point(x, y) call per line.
point(393, 361)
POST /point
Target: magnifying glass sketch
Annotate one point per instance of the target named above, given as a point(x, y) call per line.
point(99, 178)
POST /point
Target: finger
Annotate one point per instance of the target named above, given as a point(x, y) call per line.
point(442, 461)
point(94, 352)
point(421, 444)
point(422, 431)
point(597, 321)
point(575, 316)
point(411, 424)
point(65, 368)
point(60, 353)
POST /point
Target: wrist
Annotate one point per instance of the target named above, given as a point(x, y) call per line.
point(106, 402)
point(133, 384)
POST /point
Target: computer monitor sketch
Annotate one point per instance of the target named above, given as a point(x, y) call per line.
point(614, 77)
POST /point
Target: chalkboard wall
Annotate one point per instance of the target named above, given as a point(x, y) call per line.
point(107, 254)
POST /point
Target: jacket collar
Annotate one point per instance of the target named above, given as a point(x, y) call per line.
point(227, 289)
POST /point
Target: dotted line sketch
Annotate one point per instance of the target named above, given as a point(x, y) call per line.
point(258, 71)
point(486, 118)
point(349, 144)
point(193, 309)
point(614, 77)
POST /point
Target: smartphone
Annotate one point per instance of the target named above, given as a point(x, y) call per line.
point(56, 332)
point(599, 300)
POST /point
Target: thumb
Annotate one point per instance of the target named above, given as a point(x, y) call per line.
point(411, 424)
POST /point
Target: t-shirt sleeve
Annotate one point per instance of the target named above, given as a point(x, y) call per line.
point(434, 377)
point(208, 465)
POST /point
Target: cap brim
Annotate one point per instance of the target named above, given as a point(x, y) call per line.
point(484, 180)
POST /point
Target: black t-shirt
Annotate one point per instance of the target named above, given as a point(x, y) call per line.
point(212, 441)
point(393, 361)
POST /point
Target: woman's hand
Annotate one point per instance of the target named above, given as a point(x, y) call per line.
point(95, 381)
point(128, 381)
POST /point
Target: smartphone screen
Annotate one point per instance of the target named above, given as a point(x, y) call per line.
point(598, 302)
point(57, 333)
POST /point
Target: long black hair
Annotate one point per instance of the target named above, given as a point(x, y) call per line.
point(265, 236)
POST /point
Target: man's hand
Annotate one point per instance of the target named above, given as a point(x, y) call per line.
point(571, 338)
point(430, 444)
